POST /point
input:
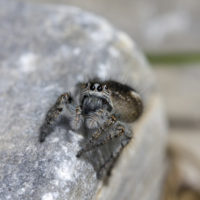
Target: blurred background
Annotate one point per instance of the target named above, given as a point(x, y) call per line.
point(168, 32)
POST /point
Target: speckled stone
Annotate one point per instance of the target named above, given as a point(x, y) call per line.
point(45, 51)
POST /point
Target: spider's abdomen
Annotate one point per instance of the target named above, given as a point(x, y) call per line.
point(127, 104)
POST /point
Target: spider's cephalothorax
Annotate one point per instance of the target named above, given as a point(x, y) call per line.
point(104, 108)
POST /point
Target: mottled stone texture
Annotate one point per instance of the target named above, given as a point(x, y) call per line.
point(45, 51)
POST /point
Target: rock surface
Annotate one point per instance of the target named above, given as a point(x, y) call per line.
point(44, 52)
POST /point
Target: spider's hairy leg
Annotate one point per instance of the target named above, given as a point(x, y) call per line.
point(75, 117)
point(119, 131)
point(95, 136)
point(109, 122)
point(108, 165)
point(53, 114)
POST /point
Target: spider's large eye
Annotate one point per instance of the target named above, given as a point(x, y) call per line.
point(105, 87)
point(92, 87)
point(99, 88)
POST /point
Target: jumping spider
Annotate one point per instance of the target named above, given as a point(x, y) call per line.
point(103, 108)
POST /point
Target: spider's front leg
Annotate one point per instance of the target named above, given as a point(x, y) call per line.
point(63, 103)
point(101, 120)
point(108, 165)
point(95, 142)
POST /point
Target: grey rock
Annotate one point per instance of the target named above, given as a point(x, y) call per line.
point(45, 51)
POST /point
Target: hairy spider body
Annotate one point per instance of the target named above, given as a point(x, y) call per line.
point(103, 107)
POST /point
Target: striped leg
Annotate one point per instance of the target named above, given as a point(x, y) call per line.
point(119, 130)
point(106, 168)
point(64, 102)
